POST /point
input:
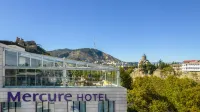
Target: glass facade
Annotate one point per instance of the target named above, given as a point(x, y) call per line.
point(10, 106)
point(10, 58)
point(72, 106)
point(106, 106)
point(36, 62)
point(38, 70)
point(75, 106)
point(38, 77)
point(24, 59)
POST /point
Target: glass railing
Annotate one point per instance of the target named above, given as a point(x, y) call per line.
point(39, 81)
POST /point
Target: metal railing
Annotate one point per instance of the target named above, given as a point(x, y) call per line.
point(42, 81)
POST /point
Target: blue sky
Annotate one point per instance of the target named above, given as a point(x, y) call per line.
point(162, 29)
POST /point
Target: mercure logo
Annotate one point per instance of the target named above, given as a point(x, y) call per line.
point(43, 97)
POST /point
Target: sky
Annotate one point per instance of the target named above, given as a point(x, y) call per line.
point(126, 29)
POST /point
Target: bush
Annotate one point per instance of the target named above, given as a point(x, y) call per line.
point(153, 94)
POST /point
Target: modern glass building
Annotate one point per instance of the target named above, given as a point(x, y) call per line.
point(38, 83)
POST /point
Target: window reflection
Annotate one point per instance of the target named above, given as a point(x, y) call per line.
point(51, 107)
point(38, 78)
point(39, 106)
point(48, 62)
point(24, 59)
point(10, 58)
point(10, 106)
point(36, 62)
point(5, 106)
point(31, 77)
point(45, 107)
point(10, 77)
point(58, 64)
point(106, 106)
point(21, 78)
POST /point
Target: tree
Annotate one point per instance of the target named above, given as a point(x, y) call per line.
point(194, 76)
point(159, 106)
point(168, 70)
point(148, 68)
point(126, 79)
point(162, 65)
point(172, 94)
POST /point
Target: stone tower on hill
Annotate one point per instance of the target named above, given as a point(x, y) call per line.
point(142, 62)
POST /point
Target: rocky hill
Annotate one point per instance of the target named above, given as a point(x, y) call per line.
point(29, 46)
point(85, 54)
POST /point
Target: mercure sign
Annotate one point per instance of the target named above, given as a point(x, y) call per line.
point(43, 97)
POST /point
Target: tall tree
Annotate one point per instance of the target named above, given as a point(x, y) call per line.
point(126, 79)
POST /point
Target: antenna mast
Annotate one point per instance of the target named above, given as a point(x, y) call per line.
point(94, 43)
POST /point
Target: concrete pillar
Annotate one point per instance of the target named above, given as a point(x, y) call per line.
point(118, 78)
point(1, 67)
point(64, 77)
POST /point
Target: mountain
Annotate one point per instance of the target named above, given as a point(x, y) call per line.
point(85, 54)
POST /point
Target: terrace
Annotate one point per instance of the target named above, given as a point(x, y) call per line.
point(23, 69)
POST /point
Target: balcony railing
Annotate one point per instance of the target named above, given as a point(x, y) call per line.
point(34, 81)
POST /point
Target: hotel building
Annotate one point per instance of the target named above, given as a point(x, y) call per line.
point(38, 83)
point(191, 66)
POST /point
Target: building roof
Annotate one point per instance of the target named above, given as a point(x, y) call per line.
point(191, 61)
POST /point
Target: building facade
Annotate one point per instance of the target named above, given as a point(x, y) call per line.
point(38, 83)
point(191, 66)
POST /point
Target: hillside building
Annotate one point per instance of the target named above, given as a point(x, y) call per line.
point(191, 66)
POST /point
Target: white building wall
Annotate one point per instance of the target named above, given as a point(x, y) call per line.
point(117, 94)
point(191, 67)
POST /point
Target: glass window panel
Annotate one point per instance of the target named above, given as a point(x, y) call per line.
point(71, 65)
point(48, 78)
point(10, 81)
point(39, 106)
point(58, 81)
point(11, 72)
point(111, 106)
point(48, 62)
point(22, 71)
point(48, 81)
point(31, 77)
point(70, 106)
point(11, 105)
point(82, 106)
point(58, 64)
point(58, 73)
point(18, 104)
point(21, 77)
point(24, 59)
point(51, 107)
point(100, 106)
point(18, 107)
point(38, 78)
point(76, 106)
point(48, 73)
point(10, 77)
point(105, 106)
point(21, 80)
point(5, 106)
point(45, 106)
point(10, 58)
point(36, 62)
